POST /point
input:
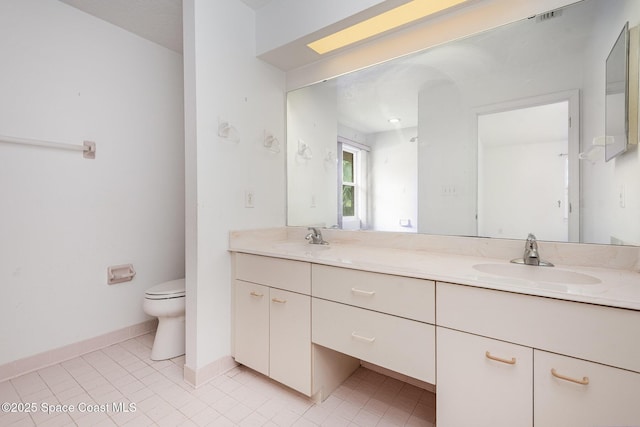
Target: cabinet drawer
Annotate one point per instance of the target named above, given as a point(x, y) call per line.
point(609, 399)
point(402, 345)
point(401, 296)
point(280, 273)
point(602, 334)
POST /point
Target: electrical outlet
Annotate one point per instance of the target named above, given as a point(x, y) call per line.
point(249, 199)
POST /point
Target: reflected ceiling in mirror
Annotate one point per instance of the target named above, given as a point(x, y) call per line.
point(420, 172)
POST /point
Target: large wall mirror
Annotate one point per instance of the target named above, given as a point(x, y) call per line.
point(495, 135)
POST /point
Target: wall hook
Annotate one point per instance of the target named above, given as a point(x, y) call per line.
point(330, 157)
point(330, 160)
point(304, 151)
point(271, 143)
point(228, 132)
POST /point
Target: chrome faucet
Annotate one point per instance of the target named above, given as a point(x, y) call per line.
point(315, 237)
point(531, 254)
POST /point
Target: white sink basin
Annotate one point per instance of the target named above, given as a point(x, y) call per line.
point(300, 247)
point(537, 274)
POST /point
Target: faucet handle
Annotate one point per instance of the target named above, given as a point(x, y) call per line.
point(311, 235)
point(315, 236)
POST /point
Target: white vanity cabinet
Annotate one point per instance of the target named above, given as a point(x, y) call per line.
point(586, 359)
point(383, 319)
point(570, 392)
point(272, 319)
point(290, 339)
point(251, 336)
point(503, 358)
point(483, 382)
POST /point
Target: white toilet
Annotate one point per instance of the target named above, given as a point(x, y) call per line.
point(166, 301)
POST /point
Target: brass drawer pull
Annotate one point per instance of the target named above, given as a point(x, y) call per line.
point(256, 294)
point(278, 300)
point(583, 381)
point(500, 359)
point(361, 338)
point(361, 292)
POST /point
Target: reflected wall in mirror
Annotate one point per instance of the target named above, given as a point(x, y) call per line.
point(521, 163)
point(424, 124)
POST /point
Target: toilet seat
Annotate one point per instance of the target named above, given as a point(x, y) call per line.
point(166, 290)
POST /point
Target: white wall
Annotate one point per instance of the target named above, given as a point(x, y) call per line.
point(223, 79)
point(312, 183)
point(67, 77)
point(446, 162)
point(394, 180)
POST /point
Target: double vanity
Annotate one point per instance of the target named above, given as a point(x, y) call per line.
point(502, 344)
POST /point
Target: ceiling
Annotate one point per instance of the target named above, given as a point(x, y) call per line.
point(159, 21)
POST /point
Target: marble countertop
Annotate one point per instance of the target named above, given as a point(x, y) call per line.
point(612, 287)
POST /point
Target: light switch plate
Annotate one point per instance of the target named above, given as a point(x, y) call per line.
point(249, 199)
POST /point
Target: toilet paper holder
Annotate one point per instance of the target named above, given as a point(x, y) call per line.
point(120, 273)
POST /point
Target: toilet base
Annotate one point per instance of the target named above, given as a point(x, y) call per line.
point(169, 341)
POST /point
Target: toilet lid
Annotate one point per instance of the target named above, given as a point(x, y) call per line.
point(170, 289)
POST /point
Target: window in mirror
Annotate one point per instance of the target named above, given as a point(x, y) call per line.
point(352, 187)
point(348, 185)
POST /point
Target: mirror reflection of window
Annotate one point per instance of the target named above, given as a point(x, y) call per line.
point(352, 179)
point(348, 185)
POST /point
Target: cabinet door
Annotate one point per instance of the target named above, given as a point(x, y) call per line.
point(482, 382)
point(252, 325)
point(576, 393)
point(290, 329)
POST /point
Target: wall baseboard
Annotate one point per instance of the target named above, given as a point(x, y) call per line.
point(42, 360)
point(201, 376)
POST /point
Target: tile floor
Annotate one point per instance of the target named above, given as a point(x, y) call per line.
point(155, 395)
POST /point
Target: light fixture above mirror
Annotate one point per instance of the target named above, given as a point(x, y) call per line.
point(386, 21)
